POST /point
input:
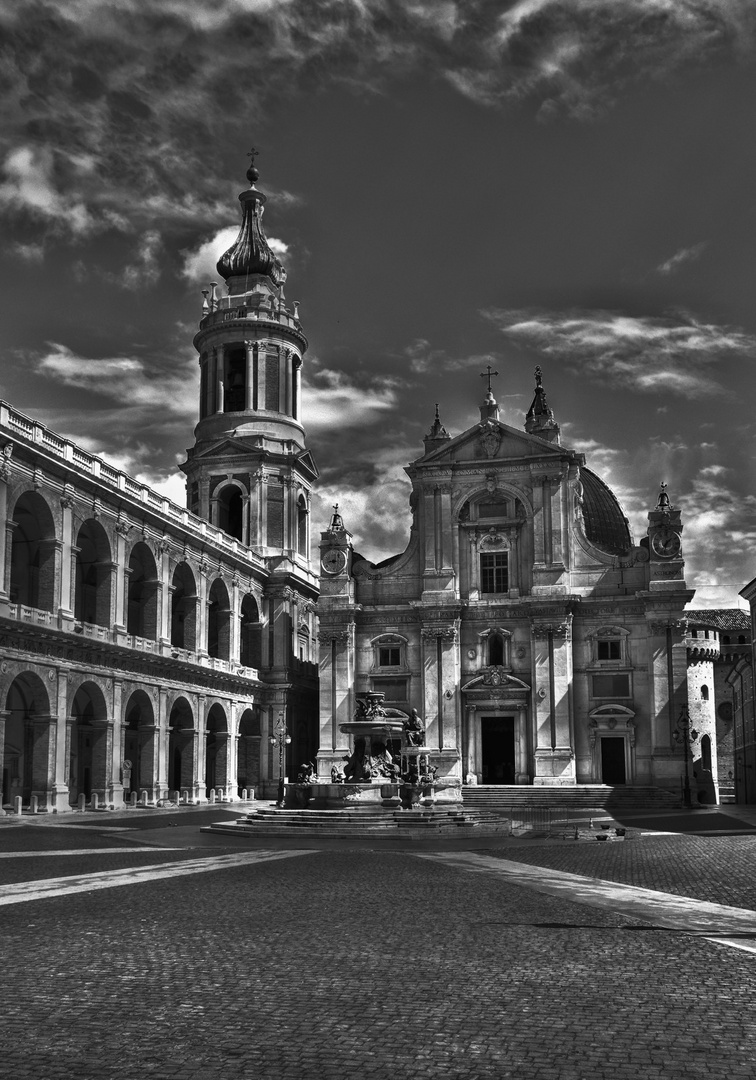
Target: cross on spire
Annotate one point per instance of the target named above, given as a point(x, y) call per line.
point(488, 374)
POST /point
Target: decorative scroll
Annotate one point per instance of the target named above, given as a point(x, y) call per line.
point(446, 633)
point(542, 630)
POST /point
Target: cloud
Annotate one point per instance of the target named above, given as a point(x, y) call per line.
point(647, 354)
point(116, 114)
point(333, 401)
point(145, 269)
point(423, 358)
point(684, 255)
point(200, 264)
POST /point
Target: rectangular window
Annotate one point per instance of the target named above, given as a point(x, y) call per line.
point(494, 572)
point(394, 689)
point(610, 650)
point(611, 686)
point(389, 656)
point(492, 509)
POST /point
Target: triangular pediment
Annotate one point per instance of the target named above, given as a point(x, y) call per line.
point(306, 463)
point(226, 447)
point(493, 441)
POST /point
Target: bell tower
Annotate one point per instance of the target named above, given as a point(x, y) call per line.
point(249, 471)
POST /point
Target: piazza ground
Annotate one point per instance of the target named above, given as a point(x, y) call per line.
point(134, 945)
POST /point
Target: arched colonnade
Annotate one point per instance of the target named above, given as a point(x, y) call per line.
point(65, 735)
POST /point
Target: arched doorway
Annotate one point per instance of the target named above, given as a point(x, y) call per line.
point(184, 608)
point(142, 616)
point(250, 741)
point(216, 750)
point(140, 747)
point(26, 750)
point(89, 762)
point(181, 733)
point(32, 569)
point(93, 575)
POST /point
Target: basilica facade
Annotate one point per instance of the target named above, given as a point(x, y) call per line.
point(538, 641)
point(149, 650)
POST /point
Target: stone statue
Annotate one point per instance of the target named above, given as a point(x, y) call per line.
point(307, 774)
point(414, 729)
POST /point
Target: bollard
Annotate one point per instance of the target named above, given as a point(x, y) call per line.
point(95, 801)
point(34, 804)
point(143, 797)
point(212, 795)
point(17, 804)
point(185, 797)
point(82, 802)
point(133, 799)
point(243, 794)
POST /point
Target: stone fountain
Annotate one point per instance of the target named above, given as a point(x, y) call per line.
point(373, 778)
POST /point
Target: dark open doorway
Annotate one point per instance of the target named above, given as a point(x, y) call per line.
point(497, 749)
point(613, 760)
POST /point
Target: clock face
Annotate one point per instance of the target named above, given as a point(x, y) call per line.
point(666, 543)
point(334, 561)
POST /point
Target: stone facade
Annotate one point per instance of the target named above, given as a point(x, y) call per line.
point(540, 644)
point(150, 649)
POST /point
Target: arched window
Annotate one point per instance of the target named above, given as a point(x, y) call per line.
point(250, 637)
point(184, 608)
point(32, 576)
point(303, 643)
point(496, 650)
point(219, 622)
point(142, 617)
point(231, 511)
point(234, 398)
point(704, 693)
point(706, 752)
point(93, 575)
point(302, 525)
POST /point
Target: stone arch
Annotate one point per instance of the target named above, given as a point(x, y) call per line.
point(33, 545)
point(303, 643)
point(181, 747)
point(219, 621)
point(93, 568)
point(143, 591)
point(140, 745)
point(521, 505)
point(250, 633)
point(184, 608)
point(88, 753)
point(26, 748)
point(229, 501)
point(250, 747)
point(216, 749)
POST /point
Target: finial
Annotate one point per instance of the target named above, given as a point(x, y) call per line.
point(336, 519)
point(252, 173)
point(437, 431)
point(538, 376)
point(489, 374)
point(663, 503)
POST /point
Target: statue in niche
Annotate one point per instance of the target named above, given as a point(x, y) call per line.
point(414, 729)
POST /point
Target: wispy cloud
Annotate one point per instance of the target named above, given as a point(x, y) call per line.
point(643, 353)
point(333, 401)
point(684, 255)
point(114, 111)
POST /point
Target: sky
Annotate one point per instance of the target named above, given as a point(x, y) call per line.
point(451, 184)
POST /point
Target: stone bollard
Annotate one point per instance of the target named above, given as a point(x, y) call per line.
point(243, 794)
point(82, 802)
point(185, 797)
point(34, 804)
point(143, 797)
point(133, 799)
point(17, 804)
point(95, 801)
point(212, 795)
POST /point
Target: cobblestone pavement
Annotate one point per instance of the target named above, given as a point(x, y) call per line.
point(346, 963)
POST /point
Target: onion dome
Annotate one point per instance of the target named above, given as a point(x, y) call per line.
point(250, 253)
point(605, 524)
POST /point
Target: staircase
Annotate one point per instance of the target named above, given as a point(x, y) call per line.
point(503, 798)
point(345, 824)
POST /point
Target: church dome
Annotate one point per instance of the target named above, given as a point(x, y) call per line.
point(250, 253)
point(605, 524)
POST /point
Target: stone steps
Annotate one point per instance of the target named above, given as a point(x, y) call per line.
point(583, 796)
point(344, 824)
